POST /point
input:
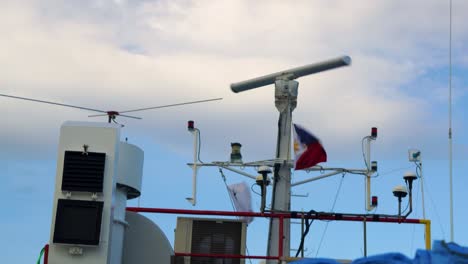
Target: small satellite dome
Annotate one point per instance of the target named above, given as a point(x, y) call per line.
point(400, 191)
point(264, 169)
point(409, 174)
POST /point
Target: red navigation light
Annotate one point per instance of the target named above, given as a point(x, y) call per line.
point(191, 125)
point(374, 132)
point(375, 201)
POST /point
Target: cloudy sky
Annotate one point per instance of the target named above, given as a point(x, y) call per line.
point(121, 55)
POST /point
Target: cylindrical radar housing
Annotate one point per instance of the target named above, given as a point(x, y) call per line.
point(291, 74)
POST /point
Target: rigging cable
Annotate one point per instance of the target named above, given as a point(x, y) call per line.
point(421, 180)
point(308, 224)
point(364, 152)
point(450, 127)
point(227, 189)
point(418, 171)
point(231, 198)
point(416, 213)
point(395, 170)
point(273, 196)
point(367, 168)
point(408, 203)
point(199, 145)
point(435, 210)
point(333, 207)
point(252, 189)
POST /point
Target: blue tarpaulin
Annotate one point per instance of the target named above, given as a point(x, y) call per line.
point(441, 252)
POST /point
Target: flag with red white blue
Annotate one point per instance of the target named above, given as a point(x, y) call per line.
point(308, 150)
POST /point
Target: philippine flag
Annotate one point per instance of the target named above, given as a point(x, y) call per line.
point(307, 149)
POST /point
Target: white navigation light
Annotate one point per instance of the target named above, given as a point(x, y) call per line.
point(291, 74)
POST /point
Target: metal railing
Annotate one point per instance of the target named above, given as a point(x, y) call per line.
point(281, 216)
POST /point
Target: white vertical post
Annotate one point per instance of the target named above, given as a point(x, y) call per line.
point(368, 175)
point(369, 206)
point(285, 102)
point(422, 186)
point(193, 199)
point(450, 127)
point(118, 225)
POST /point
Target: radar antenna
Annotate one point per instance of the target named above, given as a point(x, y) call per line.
point(110, 114)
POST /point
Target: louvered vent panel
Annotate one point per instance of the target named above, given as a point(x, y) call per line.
point(83, 172)
point(216, 238)
point(78, 222)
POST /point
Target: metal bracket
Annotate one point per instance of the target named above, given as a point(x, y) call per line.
point(85, 149)
point(285, 94)
point(122, 222)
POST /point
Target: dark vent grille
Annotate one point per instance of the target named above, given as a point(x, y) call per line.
point(216, 238)
point(78, 222)
point(83, 172)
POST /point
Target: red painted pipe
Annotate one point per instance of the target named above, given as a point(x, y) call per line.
point(337, 217)
point(180, 254)
point(200, 212)
point(281, 216)
point(46, 254)
point(281, 238)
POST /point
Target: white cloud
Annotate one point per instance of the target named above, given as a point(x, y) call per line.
point(124, 55)
point(119, 55)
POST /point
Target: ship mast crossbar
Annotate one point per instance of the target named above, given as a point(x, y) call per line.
point(229, 165)
point(271, 163)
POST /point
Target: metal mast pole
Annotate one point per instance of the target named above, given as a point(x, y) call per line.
point(369, 173)
point(422, 187)
point(285, 102)
point(450, 127)
point(196, 133)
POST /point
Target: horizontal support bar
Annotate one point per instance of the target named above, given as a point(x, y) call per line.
point(294, 215)
point(270, 163)
point(239, 171)
point(316, 178)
